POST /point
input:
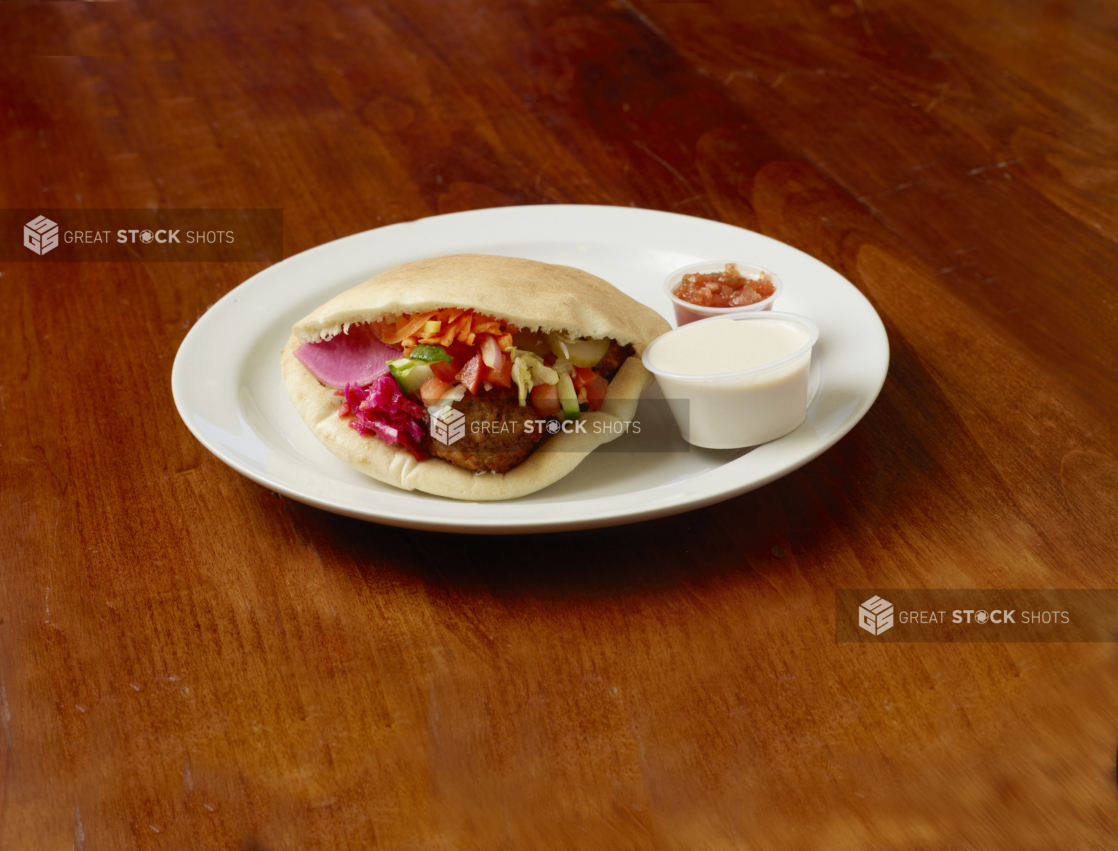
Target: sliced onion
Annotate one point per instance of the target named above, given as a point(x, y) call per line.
point(491, 354)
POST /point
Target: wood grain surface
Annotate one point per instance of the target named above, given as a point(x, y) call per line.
point(190, 661)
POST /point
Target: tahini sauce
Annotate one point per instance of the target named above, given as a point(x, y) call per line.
point(727, 346)
point(718, 411)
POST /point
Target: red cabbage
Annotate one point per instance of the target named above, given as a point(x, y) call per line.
point(383, 410)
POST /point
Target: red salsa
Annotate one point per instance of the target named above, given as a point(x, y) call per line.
point(724, 289)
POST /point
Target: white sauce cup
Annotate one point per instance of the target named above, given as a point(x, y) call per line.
point(740, 408)
point(686, 312)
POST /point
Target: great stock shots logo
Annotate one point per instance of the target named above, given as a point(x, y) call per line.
point(976, 614)
point(40, 235)
point(150, 235)
point(875, 615)
point(448, 426)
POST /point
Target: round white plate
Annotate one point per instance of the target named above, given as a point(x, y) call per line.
point(227, 385)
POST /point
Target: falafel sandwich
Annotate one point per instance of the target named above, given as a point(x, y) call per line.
point(471, 376)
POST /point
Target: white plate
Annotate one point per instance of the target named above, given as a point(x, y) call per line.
point(227, 385)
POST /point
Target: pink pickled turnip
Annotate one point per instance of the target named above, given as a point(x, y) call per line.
point(355, 358)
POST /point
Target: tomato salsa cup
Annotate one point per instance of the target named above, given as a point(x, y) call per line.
point(686, 312)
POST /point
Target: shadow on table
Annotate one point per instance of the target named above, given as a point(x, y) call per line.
point(742, 536)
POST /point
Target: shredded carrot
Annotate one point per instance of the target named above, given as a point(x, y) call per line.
point(460, 328)
point(481, 326)
point(455, 325)
point(406, 327)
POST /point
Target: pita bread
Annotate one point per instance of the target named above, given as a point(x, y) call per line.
point(529, 294)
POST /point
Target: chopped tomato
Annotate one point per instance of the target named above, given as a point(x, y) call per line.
point(501, 376)
point(596, 392)
point(470, 374)
point(432, 390)
point(582, 376)
point(545, 398)
point(444, 370)
point(461, 353)
point(448, 371)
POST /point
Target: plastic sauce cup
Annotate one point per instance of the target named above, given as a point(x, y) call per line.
point(727, 407)
point(686, 312)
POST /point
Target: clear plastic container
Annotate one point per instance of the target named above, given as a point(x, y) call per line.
point(736, 407)
point(685, 312)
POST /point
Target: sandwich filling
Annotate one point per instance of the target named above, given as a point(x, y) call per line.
point(397, 375)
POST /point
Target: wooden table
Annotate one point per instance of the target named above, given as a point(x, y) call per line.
point(189, 661)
